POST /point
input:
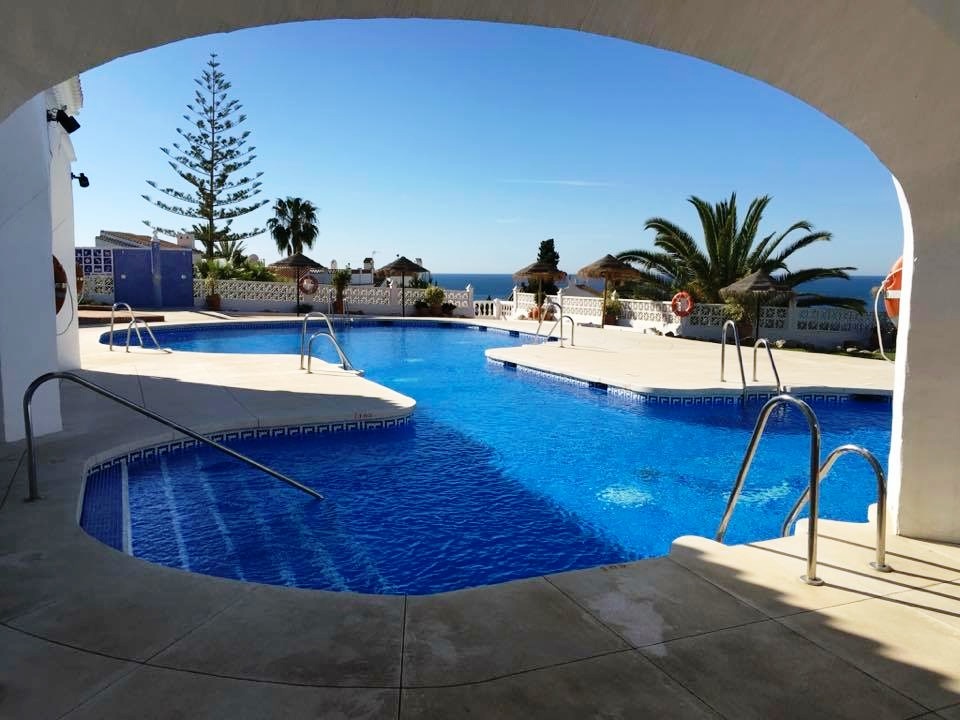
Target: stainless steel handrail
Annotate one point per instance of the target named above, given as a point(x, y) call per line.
point(133, 325)
point(303, 330)
point(813, 492)
point(113, 312)
point(723, 351)
point(34, 493)
point(776, 375)
point(344, 362)
point(573, 327)
point(880, 563)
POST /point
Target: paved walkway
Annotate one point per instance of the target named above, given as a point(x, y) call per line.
point(710, 631)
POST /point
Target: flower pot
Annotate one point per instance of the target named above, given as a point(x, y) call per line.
point(213, 301)
point(610, 319)
point(435, 310)
point(338, 307)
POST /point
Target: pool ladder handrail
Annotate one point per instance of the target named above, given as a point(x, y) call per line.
point(34, 493)
point(723, 350)
point(776, 375)
point(812, 493)
point(303, 330)
point(344, 361)
point(134, 325)
point(814, 488)
point(880, 563)
point(559, 321)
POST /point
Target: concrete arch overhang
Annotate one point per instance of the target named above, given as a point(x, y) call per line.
point(887, 70)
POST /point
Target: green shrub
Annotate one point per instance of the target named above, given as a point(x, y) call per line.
point(434, 295)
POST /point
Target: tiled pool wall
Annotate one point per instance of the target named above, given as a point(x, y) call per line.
point(693, 397)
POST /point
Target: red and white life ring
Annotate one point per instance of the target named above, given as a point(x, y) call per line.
point(891, 290)
point(308, 284)
point(682, 303)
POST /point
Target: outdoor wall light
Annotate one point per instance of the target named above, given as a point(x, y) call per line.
point(67, 122)
point(83, 179)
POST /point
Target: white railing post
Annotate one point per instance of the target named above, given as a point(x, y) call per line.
point(470, 307)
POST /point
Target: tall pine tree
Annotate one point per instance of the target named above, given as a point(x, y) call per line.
point(209, 158)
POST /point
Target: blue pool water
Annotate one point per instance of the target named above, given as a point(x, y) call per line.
point(501, 474)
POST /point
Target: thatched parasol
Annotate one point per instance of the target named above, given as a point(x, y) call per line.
point(610, 269)
point(402, 266)
point(760, 286)
point(540, 271)
point(298, 261)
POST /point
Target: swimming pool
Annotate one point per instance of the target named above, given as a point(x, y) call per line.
point(501, 474)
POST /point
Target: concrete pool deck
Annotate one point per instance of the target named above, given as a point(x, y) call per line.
point(709, 631)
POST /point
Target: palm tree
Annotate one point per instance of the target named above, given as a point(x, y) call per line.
point(293, 225)
point(730, 251)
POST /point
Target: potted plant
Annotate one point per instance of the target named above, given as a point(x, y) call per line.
point(433, 296)
point(447, 309)
point(340, 279)
point(734, 310)
point(612, 310)
point(422, 308)
point(210, 285)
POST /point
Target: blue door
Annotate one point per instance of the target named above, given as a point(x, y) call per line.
point(133, 278)
point(176, 268)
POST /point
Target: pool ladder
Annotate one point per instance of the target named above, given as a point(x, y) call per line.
point(817, 472)
point(731, 325)
point(134, 325)
point(34, 493)
point(306, 345)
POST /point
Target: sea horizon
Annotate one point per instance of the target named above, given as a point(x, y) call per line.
point(500, 285)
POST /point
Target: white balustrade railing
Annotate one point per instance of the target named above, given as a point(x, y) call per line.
point(253, 295)
point(820, 326)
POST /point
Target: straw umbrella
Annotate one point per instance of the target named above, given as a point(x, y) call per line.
point(402, 266)
point(611, 270)
point(540, 271)
point(760, 286)
point(298, 261)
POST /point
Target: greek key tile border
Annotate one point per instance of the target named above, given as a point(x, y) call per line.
point(304, 430)
point(681, 397)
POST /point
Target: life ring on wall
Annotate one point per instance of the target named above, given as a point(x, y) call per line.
point(308, 284)
point(60, 286)
point(682, 304)
point(891, 290)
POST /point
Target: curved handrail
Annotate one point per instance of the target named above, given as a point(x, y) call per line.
point(776, 375)
point(132, 326)
point(113, 311)
point(723, 350)
point(344, 362)
point(813, 492)
point(573, 326)
point(135, 323)
point(34, 493)
point(880, 563)
point(303, 330)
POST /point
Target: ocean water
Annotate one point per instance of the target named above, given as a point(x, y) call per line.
point(501, 285)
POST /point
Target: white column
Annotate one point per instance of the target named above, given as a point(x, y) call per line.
point(471, 312)
point(61, 211)
point(924, 467)
point(28, 345)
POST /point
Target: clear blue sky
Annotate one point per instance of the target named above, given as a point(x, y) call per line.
point(468, 143)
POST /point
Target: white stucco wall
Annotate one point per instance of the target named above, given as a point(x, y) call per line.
point(28, 345)
point(61, 212)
